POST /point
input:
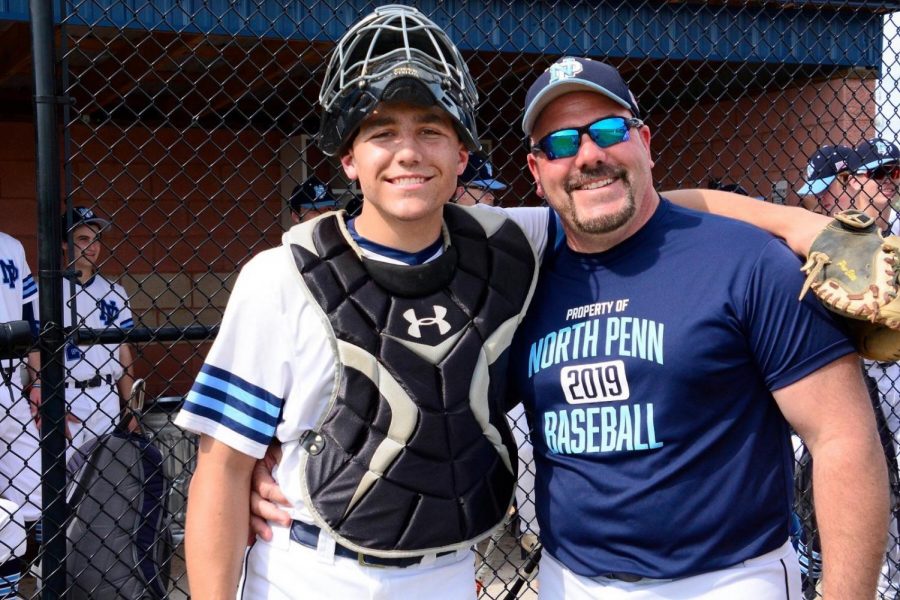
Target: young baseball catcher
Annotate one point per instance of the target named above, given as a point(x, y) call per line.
point(372, 348)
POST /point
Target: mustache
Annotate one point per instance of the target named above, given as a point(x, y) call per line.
point(588, 175)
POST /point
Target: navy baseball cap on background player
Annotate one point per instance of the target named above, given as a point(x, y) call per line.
point(873, 153)
point(571, 74)
point(82, 215)
point(823, 167)
point(312, 193)
point(479, 173)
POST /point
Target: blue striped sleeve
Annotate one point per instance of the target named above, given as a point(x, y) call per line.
point(127, 324)
point(29, 288)
point(235, 403)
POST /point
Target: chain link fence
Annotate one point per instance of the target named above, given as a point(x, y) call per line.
point(187, 126)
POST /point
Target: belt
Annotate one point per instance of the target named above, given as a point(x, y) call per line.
point(95, 381)
point(308, 535)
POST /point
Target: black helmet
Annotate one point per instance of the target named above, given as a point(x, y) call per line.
point(395, 53)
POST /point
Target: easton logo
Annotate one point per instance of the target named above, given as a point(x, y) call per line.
point(416, 324)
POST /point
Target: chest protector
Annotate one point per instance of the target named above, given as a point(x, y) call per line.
point(414, 454)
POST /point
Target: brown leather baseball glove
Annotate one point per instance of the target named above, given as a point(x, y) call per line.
point(854, 270)
point(877, 342)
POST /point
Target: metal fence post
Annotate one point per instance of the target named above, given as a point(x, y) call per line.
point(53, 451)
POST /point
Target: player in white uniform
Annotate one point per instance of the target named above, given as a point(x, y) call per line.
point(98, 376)
point(864, 178)
point(872, 184)
point(20, 492)
point(273, 371)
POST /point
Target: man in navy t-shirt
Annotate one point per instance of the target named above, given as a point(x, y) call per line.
point(663, 360)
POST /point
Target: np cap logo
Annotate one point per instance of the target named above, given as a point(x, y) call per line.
point(567, 68)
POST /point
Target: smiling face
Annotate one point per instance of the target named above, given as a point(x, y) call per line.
point(86, 251)
point(602, 195)
point(407, 159)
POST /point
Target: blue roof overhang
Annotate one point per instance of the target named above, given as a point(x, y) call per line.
point(840, 34)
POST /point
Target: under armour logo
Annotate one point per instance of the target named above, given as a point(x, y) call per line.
point(415, 323)
point(10, 273)
point(109, 311)
point(565, 68)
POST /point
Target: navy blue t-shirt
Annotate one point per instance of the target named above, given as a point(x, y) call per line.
point(646, 371)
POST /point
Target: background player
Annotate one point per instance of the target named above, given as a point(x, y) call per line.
point(99, 376)
point(477, 183)
point(823, 191)
point(20, 456)
point(311, 198)
point(870, 185)
point(871, 181)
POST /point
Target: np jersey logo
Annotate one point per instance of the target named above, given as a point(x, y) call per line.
point(416, 323)
point(597, 382)
point(10, 273)
point(109, 311)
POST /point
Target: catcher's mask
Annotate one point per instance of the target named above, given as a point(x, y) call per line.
point(395, 53)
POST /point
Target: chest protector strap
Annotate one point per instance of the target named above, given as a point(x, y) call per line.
point(414, 454)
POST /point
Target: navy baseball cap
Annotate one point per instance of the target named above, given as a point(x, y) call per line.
point(312, 193)
point(873, 153)
point(823, 167)
point(480, 173)
point(82, 215)
point(571, 74)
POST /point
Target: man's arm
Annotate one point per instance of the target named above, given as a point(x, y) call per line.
point(796, 226)
point(831, 412)
point(217, 516)
point(126, 381)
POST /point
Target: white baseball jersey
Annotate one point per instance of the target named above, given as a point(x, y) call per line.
point(20, 465)
point(99, 304)
point(18, 287)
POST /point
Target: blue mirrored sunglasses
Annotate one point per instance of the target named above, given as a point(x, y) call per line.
point(604, 132)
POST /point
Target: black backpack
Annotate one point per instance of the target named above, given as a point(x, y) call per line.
point(119, 542)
